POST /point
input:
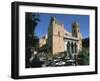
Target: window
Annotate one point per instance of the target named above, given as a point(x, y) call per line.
point(74, 30)
point(78, 30)
point(58, 33)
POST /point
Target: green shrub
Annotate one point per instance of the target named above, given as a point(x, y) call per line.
point(83, 57)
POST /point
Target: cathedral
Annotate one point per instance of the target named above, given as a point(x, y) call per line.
point(58, 39)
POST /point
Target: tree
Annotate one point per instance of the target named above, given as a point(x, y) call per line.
point(31, 22)
point(83, 57)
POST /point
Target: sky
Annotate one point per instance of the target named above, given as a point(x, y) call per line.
point(66, 19)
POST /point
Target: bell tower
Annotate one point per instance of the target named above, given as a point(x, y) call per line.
point(76, 33)
point(75, 29)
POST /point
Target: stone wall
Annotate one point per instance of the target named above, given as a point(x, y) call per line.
point(58, 41)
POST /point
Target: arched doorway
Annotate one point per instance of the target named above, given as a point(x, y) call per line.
point(68, 47)
point(75, 48)
point(72, 47)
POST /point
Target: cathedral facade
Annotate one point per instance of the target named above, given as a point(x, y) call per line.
point(58, 39)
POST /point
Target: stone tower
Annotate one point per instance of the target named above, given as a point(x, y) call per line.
point(55, 39)
point(75, 29)
point(76, 33)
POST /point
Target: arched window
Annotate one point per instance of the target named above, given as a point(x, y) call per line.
point(58, 33)
point(78, 30)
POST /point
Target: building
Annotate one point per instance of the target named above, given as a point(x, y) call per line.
point(43, 41)
point(60, 40)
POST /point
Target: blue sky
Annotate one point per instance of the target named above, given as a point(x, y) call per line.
point(66, 19)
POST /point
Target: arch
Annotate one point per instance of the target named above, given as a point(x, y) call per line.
point(75, 46)
point(72, 47)
point(68, 47)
